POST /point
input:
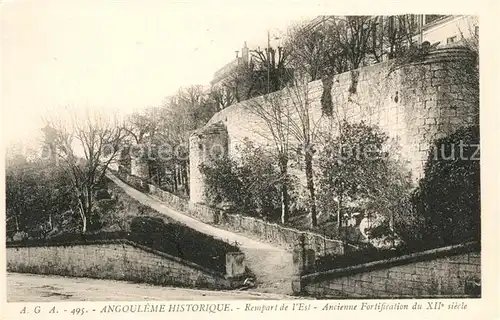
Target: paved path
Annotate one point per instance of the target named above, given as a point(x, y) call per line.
point(41, 288)
point(271, 265)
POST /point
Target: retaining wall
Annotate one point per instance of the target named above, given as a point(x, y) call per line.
point(445, 272)
point(118, 260)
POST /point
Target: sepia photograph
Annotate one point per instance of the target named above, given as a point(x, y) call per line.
point(154, 153)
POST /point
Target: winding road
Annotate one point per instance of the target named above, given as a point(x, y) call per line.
point(271, 265)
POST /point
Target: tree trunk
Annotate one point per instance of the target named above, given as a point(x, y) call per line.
point(88, 211)
point(85, 207)
point(84, 225)
point(339, 214)
point(179, 176)
point(185, 178)
point(310, 187)
point(285, 205)
point(285, 201)
point(84, 218)
point(150, 170)
point(175, 179)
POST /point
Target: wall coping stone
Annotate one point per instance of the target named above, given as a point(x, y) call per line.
point(446, 54)
point(297, 231)
point(391, 262)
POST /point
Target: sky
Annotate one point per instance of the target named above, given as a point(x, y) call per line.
point(115, 55)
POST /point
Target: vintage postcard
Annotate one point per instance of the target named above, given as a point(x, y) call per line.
point(189, 159)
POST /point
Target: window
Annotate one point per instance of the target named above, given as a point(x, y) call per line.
point(451, 39)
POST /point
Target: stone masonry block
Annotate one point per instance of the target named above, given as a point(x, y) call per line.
point(474, 258)
point(468, 267)
point(336, 286)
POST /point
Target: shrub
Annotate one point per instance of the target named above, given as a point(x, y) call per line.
point(181, 241)
point(252, 184)
point(359, 172)
point(448, 197)
point(37, 193)
point(347, 173)
point(222, 182)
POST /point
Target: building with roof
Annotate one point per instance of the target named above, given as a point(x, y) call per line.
point(231, 67)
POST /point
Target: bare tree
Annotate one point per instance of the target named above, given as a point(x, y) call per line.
point(315, 51)
point(304, 127)
point(288, 116)
point(99, 140)
point(223, 96)
point(274, 112)
point(353, 35)
point(242, 83)
point(271, 65)
point(140, 125)
point(392, 35)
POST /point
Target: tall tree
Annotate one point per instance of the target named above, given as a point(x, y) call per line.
point(223, 96)
point(288, 117)
point(86, 145)
point(394, 35)
point(179, 115)
point(275, 113)
point(354, 166)
point(314, 50)
point(304, 127)
point(353, 35)
point(272, 68)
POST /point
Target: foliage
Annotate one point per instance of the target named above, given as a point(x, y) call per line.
point(181, 241)
point(222, 182)
point(448, 196)
point(264, 180)
point(275, 113)
point(360, 173)
point(84, 147)
point(353, 165)
point(41, 202)
point(287, 117)
point(38, 195)
point(163, 132)
point(252, 185)
point(271, 68)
